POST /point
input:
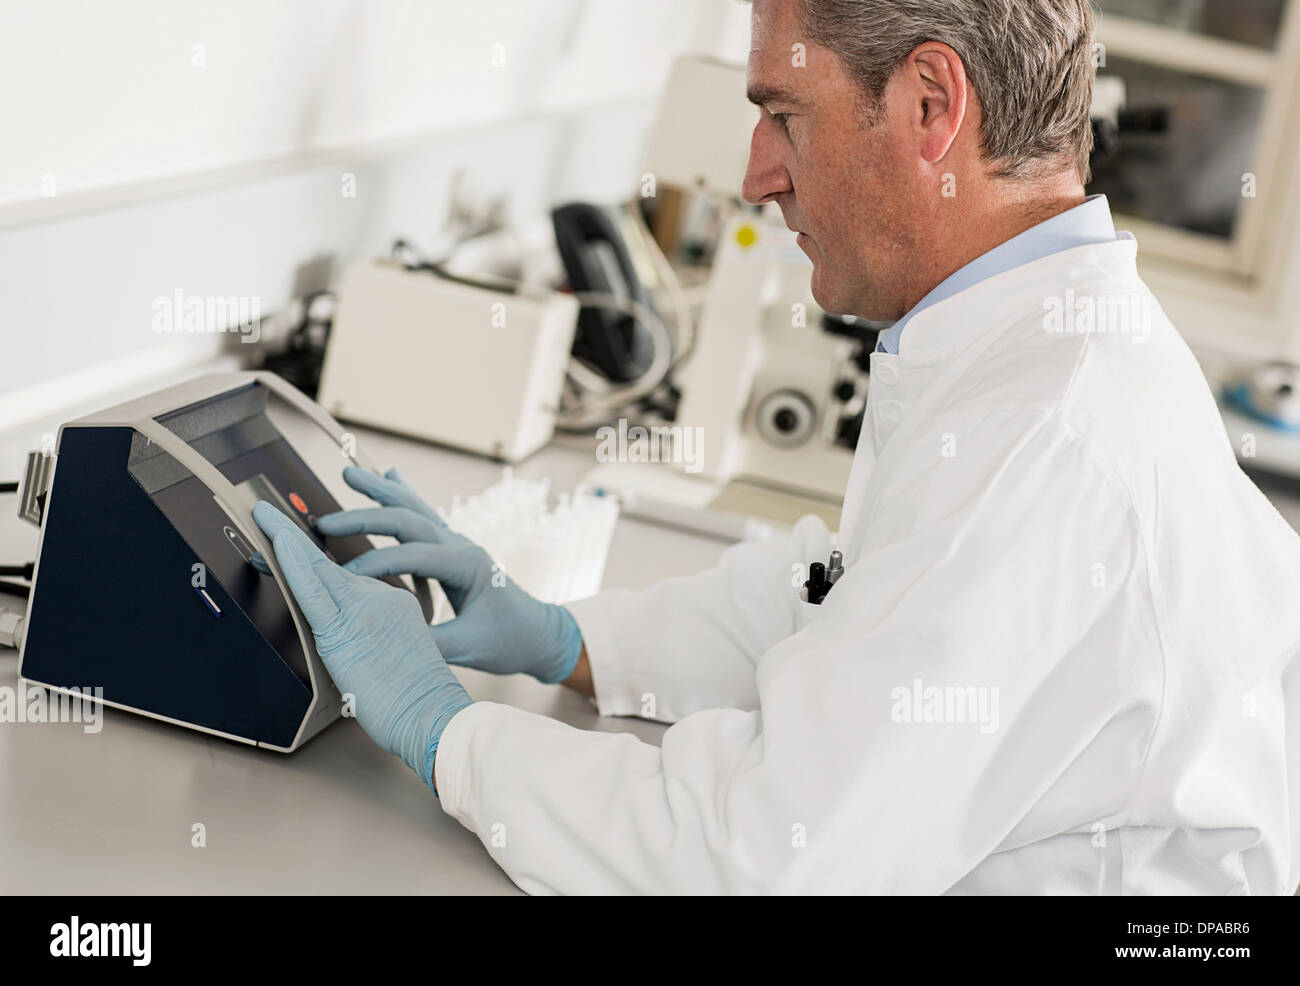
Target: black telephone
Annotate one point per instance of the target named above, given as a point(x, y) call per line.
point(613, 343)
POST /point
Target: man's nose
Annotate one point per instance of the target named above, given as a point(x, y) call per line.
point(765, 175)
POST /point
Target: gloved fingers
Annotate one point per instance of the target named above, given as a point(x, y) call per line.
point(300, 561)
point(389, 492)
point(453, 566)
point(396, 476)
point(258, 561)
point(456, 641)
point(402, 523)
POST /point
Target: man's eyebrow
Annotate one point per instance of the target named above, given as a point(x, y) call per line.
point(761, 95)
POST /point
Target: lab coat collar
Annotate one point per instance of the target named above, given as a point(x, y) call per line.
point(1089, 222)
point(947, 327)
point(973, 318)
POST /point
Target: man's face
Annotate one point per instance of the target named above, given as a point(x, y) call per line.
point(844, 185)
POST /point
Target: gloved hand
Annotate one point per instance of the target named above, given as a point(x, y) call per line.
point(375, 644)
point(498, 627)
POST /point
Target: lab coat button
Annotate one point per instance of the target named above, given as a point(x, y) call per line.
point(886, 374)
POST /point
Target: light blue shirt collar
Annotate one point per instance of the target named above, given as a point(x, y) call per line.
point(1085, 224)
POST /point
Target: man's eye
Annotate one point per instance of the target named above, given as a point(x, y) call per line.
point(781, 119)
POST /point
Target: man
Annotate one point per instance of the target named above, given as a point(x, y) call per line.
point(1060, 658)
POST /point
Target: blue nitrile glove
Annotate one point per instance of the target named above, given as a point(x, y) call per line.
point(375, 644)
point(498, 627)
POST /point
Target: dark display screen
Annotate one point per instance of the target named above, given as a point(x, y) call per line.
point(234, 434)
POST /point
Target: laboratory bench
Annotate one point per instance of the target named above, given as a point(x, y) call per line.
point(115, 812)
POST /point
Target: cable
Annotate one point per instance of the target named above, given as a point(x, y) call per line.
point(580, 412)
point(11, 628)
point(15, 588)
point(588, 413)
point(303, 356)
point(9, 487)
point(413, 260)
point(22, 571)
point(683, 321)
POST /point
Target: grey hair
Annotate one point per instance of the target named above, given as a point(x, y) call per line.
point(1030, 63)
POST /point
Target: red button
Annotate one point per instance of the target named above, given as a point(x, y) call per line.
point(299, 504)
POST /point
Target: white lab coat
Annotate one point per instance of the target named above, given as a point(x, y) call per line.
point(1054, 521)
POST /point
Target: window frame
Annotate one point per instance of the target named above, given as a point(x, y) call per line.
point(1274, 72)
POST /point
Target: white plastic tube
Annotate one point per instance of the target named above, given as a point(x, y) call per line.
point(557, 555)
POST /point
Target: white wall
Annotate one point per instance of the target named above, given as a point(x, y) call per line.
point(111, 93)
point(137, 164)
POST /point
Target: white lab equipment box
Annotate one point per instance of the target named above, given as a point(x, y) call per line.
point(447, 361)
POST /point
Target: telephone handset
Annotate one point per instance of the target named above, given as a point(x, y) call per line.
point(596, 261)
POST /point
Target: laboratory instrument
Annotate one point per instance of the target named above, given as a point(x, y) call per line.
point(1269, 393)
point(144, 583)
point(476, 364)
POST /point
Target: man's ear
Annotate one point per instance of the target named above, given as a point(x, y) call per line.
point(936, 87)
